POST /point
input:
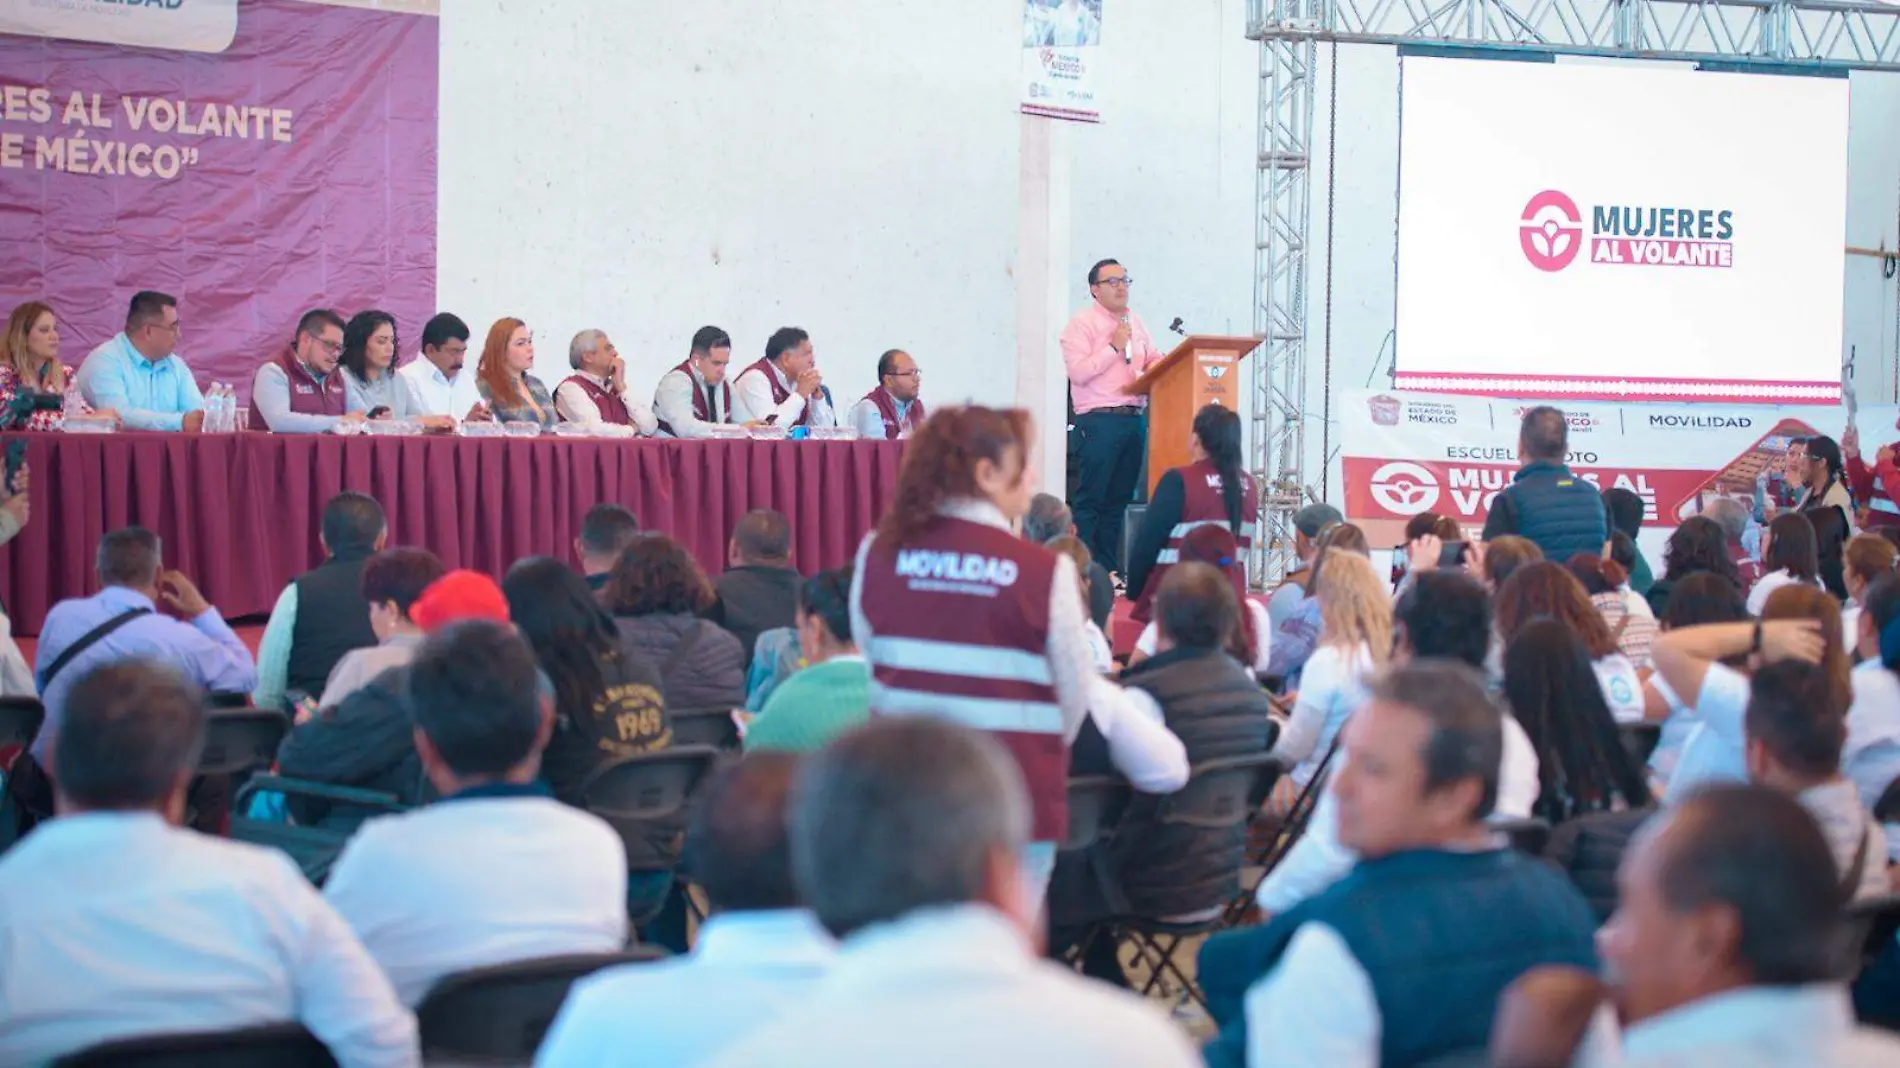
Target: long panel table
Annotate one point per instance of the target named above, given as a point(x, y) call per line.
point(239, 512)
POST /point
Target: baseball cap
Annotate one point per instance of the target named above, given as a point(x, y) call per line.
point(1311, 520)
point(456, 596)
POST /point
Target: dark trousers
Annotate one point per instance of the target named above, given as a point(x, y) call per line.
point(1110, 468)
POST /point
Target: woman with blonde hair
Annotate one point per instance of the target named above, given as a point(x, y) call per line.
point(503, 376)
point(29, 361)
point(1866, 558)
point(1299, 634)
point(1355, 640)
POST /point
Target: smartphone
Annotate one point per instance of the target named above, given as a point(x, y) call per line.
point(1453, 554)
point(16, 459)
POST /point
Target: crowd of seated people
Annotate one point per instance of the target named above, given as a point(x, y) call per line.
point(336, 370)
point(882, 851)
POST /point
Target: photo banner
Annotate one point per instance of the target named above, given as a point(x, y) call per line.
point(1062, 48)
point(293, 169)
point(1406, 453)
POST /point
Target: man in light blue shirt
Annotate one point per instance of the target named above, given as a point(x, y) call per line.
point(759, 954)
point(138, 375)
point(198, 644)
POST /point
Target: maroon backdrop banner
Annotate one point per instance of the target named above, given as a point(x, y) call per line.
point(296, 169)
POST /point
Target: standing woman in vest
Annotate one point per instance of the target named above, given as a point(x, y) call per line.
point(960, 618)
point(1211, 489)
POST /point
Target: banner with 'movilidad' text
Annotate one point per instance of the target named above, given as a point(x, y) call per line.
point(293, 169)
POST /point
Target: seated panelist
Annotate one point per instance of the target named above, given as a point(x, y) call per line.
point(893, 410)
point(785, 388)
point(596, 393)
point(301, 390)
point(138, 375)
point(694, 397)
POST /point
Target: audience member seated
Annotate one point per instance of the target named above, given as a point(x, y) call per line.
point(1866, 558)
point(503, 377)
point(1545, 588)
point(1701, 598)
point(1622, 551)
point(1724, 946)
point(29, 362)
point(607, 703)
point(393, 580)
point(367, 741)
point(1295, 639)
point(1795, 727)
point(694, 397)
point(1552, 690)
point(299, 390)
point(938, 965)
point(1871, 756)
point(1101, 650)
point(1697, 545)
point(497, 870)
point(596, 393)
point(122, 622)
point(1503, 556)
point(1217, 548)
point(606, 531)
point(137, 375)
point(1798, 622)
point(437, 379)
point(1789, 557)
point(784, 388)
point(370, 382)
point(832, 693)
point(1359, 974)
point(1625, 510)
point(323, 613)
point(1210, 702)
point(1309, 523)
point(1604, 581)
point(115, 922)
point(1733, 517)
point(1048, 519)
point(893, 410)
point(759, 589)
point(16, 510)
point(757, 956)
point(1355, 641)
point(656, 594)
point(1442, 615)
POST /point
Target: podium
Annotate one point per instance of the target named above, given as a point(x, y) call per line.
point(1201, 370)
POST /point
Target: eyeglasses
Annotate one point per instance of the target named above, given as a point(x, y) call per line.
point(907, 374)
point(1119, 283)
point(334, 348)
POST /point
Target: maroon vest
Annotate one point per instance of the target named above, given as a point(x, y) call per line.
point(959, 621)
point(779, 393)
point(307, 395)
point(700, 410)
point(612, 408)
point(1201, 503)
point(887, 407)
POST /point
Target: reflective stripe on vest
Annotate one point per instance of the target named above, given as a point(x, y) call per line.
point(983, 661)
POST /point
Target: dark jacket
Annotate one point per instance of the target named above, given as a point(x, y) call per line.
point(705, 670)
point(627, 718)
point(1149, 867)
point(1547, 504)
point(1589, 849)
point(366, 742)
point(332, 619)
point(1101, 595)
point(753, 600)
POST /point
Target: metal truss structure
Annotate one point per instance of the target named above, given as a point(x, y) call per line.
point(1840, 34)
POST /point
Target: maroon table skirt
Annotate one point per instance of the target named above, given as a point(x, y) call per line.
point(239, 512)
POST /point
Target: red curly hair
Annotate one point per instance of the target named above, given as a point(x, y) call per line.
point(940, 463)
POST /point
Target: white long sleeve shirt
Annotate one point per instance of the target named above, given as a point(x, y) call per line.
point(114, 924)
point(1140, 745)
point(752, 400)
point(433, 393)
point(575, 406)
point(673, 404)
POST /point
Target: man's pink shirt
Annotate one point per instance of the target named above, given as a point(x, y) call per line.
point(1097, 372)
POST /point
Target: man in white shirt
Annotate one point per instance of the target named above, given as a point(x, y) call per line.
point(597, 394)
point(436, 380)
point(1362, 974)
point(114, 922)
point(498, 870)
point(694, 397)
point(906, 835)
point(759, 954)
point(1723, 950)
point(893, 410)
point(785, 388)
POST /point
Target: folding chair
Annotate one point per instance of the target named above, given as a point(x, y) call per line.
point(1286, 836)
point(1219, 794)
point(313, 849)
point(280, 1045)
point(1868, 930)
point(20, 719)
point(500, 1014)
point(1528, 836)
point(1096, 803)
point(704, 726)
point(1639, 740)
point(647, 799)
point(1886, 809)
point(238, 740)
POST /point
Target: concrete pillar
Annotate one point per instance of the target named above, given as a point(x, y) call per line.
point(1042, 289)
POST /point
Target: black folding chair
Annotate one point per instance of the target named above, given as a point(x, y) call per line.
point(500, 1014)
point(1886, 810)
point(280, 1045)
point(1868, 930)
point(239, 740)
point(20, 719)
point(1219, 794)
point(227, 699)
point(1639, 740)
point(313, 849)
point(1528, 835)
point(704, 726)
point(1096, 803)
point(647, 799)
point(1287, 835)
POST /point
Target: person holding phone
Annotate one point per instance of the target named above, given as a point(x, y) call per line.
point(368, 365)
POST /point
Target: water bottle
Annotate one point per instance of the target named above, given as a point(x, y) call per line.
point(211, 410)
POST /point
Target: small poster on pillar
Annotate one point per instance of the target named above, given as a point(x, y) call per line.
point(1062, 48)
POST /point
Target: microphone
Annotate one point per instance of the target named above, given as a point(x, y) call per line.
point(1128, 350)
point(1176, 326)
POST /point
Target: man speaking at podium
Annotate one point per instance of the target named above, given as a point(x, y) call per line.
point(1105, 348)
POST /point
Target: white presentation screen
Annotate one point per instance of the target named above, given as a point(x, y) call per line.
point(1620, 232)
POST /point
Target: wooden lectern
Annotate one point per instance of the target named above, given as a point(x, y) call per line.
point(1200, 371)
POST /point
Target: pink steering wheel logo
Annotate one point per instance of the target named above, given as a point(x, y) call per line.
point(1552, 231)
